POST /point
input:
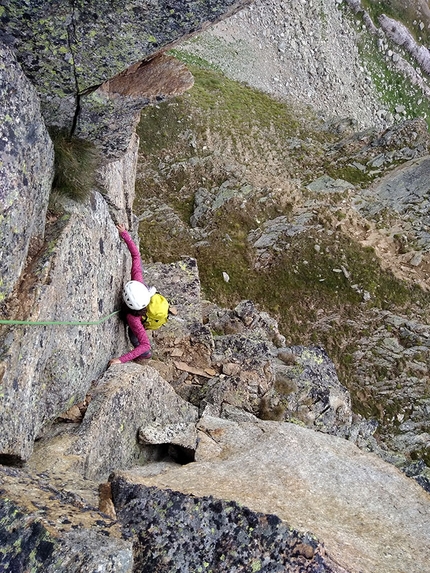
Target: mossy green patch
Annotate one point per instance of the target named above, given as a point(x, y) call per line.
point(408, 13)
point(393, 87)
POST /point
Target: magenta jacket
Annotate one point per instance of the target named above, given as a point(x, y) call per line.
point(135, 322)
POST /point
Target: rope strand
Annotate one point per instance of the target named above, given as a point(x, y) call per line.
point(58, 322)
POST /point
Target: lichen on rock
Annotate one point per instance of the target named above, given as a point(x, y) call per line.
point(26, 171)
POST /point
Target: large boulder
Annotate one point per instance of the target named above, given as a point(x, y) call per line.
point(130, 401)
point(177, 532)
point(133, 417)
point(369, 515)
point(26, 171)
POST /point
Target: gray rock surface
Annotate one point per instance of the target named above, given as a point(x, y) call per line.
point(260, 375)
point(127, 402)
point(68, 50)
point(404, 192)
point(391, 366)
point(369, 516)
point(177, 532)
point(77, 276)
point(49, 530)
point(26, 171)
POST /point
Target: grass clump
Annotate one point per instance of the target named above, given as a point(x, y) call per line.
point(76, 162)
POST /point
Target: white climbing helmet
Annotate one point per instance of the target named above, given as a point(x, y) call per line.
point(136, 295)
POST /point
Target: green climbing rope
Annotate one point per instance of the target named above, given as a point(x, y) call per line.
point(59, 322)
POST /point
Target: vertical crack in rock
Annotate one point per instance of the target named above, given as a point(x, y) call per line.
point(71, 34)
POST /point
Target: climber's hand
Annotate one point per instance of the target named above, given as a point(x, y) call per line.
point(121, 228)
point(114, 361)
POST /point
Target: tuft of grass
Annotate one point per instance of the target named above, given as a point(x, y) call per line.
point(76, 162)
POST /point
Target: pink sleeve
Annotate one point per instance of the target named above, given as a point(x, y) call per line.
point(135, 323)
point(136, 263)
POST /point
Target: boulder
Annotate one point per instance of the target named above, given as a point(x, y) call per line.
point(26, 171)
point(128, 401)
point(131, 412)
point(48, 530)
point(179, 532)
point(369, 515)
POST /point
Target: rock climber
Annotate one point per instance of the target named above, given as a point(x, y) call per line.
point(136, 296)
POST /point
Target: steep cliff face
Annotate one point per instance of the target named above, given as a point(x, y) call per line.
point(213, 370)
point(26, 170)
point(75, 270)
point(76, 276)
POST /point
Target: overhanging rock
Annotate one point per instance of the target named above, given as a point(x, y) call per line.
point(68, 48)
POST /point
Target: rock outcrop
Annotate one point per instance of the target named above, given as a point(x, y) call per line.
point(76, 276)
point(83, 57)
point(48, 529)
point(369, 515)
point(177, 532)
point(26, 171)
point(134, 423)
point(115, 106)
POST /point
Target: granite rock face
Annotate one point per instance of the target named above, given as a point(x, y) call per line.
point(46, 529)
point(369, 515)
point(107, 438)
point(77, 276)
point(177, 532)
point(26, 171)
